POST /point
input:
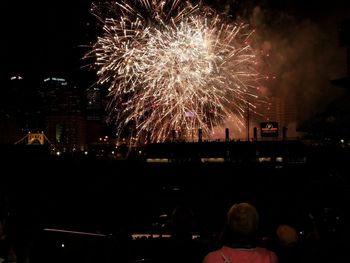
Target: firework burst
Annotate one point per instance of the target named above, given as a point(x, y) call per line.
point(173, 66)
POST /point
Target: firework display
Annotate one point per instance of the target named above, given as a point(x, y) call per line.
point(173, 66)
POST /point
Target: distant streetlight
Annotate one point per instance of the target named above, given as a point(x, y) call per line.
point(16, 78)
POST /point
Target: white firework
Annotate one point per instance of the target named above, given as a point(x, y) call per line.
point(172, 66)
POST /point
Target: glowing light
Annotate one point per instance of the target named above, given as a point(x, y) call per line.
point(169, 65)
point(16, 77)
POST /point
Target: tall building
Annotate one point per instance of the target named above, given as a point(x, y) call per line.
point(95, 117)
point(65, 114)
point(67, 132)
point(283, 111)
point(93, 104)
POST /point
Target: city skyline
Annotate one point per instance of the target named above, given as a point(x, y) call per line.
point(67, 179)
point(50, 41)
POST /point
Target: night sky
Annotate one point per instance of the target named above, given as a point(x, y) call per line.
point(46, 39)
point(43, 39)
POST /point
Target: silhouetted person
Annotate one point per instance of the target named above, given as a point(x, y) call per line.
point(289, 248)
point(182, 223)
point(181, 247)
point(239, 239)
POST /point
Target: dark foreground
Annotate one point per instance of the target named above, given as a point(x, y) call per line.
point(117, 199)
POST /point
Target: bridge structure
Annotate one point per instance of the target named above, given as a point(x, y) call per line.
point(35, 139)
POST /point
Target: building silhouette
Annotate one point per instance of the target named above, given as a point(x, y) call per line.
point(283, 111)
point(95, 115)
point(64, 114)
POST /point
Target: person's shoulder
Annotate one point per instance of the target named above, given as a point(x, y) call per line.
point(264, 250)
point(267, 253)
point(213, 256)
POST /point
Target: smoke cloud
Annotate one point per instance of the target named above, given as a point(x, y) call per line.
point(303, 55)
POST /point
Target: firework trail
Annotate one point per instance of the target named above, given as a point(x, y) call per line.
point(170, 65)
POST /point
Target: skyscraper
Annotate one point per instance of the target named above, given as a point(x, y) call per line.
point(65, 115)
point(283, 111)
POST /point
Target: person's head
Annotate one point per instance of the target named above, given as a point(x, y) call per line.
point(287, 235)
point(243, 221)
point(182, 220)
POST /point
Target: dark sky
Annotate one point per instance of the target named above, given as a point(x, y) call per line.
point(40, 39)
point(45, 38)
